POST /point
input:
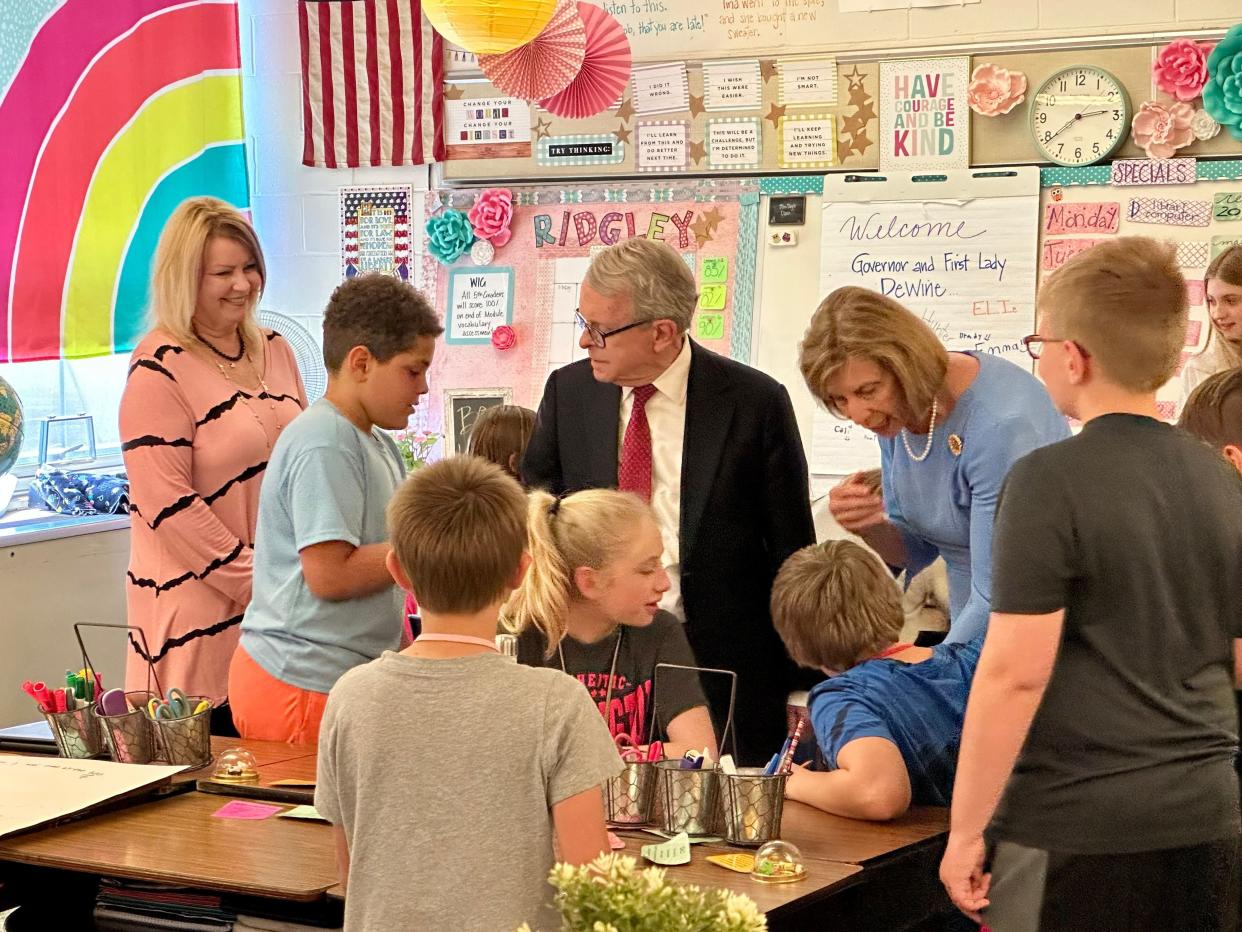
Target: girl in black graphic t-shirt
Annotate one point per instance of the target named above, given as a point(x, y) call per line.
point(590, 606)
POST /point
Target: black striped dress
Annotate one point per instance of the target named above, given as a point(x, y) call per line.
point(196, 447)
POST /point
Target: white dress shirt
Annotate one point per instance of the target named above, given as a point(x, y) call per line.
point(666, 416)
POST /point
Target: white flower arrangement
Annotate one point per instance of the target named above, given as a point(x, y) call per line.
point(611, 895)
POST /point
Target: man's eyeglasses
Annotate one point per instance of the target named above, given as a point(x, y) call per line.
point(599, 337)
point(1034, 344)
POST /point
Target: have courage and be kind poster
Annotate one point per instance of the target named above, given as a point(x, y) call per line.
point(924, 117)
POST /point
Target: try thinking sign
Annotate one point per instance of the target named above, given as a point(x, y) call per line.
point(924, 118)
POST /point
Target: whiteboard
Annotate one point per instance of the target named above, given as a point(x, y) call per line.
point(959, 249)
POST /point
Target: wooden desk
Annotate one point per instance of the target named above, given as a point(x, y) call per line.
point(299, 768)
point(820, 835)
point(176, 841)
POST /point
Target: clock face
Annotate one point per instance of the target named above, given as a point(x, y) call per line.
point(1079, 116)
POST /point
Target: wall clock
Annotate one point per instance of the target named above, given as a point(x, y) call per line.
point(1079, 115)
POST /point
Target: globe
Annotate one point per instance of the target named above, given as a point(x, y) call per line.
point(12, 426)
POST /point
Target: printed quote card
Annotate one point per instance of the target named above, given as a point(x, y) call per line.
point(661, 88)
point(924, 116)
point(808, 82)
point(662, 145)
point(734, 142)
point(732, 85)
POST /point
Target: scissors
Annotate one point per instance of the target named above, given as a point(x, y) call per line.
point(175, 706)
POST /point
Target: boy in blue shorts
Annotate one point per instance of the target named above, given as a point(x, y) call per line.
point(323, 599)
point(889, 717)
point(449, 763)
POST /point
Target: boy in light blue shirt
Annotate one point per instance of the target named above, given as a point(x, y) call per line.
point(323, 599)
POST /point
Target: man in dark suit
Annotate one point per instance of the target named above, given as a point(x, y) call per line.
point(711, 443)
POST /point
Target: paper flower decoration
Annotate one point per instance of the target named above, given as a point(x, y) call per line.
point(449, 235)
point(482, 252)
point(545, 65)
point(605, 68)
point(1203, 126)
point(491, 215)
point(1162, 129)
point(504, 337)
point(1181, 69)
point(489, 27)
point(994, 90)
point(1222, 95)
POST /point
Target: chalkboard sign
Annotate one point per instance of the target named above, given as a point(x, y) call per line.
point(462, 407)
point(787, 211)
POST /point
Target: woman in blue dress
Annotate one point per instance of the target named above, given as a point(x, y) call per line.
point(949, 424)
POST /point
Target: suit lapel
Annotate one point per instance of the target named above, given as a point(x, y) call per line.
point(602, 408)
point(709, 415)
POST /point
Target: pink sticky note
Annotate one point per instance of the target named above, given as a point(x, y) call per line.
point(1194, 290)
point(240, 809)
point(616, 843)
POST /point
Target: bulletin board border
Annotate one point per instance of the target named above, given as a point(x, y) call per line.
point(1205, 169)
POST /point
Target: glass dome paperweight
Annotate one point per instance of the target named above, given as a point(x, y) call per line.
point(778, 862)
point(236, 765)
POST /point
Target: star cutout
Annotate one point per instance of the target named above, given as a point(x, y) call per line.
point(626, 110)
point(866, 112)
point(859, 97)
point(542, 129)
point(702, 234)
point(696, 105)
point(713, 219)
point(852, 124)
point(767, 68)
point(856, 79)
point(775, 113)
point(622, 133)
point(698, 151)
point(452, 92)
point(860, 144)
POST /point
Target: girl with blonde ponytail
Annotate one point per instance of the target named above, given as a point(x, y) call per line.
point(589, 606)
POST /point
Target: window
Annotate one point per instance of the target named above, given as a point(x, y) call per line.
point(59, 388)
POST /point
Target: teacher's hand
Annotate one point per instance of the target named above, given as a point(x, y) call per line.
point(856, 503)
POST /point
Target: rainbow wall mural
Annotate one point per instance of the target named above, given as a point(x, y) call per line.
point(111, 113)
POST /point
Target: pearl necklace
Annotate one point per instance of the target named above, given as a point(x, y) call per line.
point(931, 435)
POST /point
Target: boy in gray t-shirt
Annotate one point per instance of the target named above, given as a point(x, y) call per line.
point(454, 777)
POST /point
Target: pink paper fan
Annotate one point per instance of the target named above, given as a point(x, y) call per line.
point(545, 65)
point(605, 68)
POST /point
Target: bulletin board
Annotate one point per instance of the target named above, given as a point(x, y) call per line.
point(531, 282)
point(846, 111)
point(1080, 207)
point(959, 251)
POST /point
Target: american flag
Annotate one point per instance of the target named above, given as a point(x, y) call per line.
point(372, 84)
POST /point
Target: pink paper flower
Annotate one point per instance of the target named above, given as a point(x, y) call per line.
point(994, 90)
point(504, 337)
point(1181, 68)
point(491, 215)
point(1163, 129)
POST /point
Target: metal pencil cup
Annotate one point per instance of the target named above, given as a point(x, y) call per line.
point(185, 740)
point(76, 732)
point(629, 795)
point(130, 736)
point(690, 798)
point(753, 804)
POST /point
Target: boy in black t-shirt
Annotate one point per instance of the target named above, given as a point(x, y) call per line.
point(1103, 702)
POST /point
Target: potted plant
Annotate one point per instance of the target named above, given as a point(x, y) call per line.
point(611, 895)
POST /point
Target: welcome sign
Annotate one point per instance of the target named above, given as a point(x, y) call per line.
point(924, 117)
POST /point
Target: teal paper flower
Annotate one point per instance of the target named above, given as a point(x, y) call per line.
point(1222, 95)
point(449, 234)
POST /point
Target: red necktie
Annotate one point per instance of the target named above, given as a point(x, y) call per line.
point(635, 472)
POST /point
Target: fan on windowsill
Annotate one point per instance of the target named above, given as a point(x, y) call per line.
point(305, 350)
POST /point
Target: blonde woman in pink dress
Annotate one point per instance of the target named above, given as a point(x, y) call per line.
point(208, 393)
